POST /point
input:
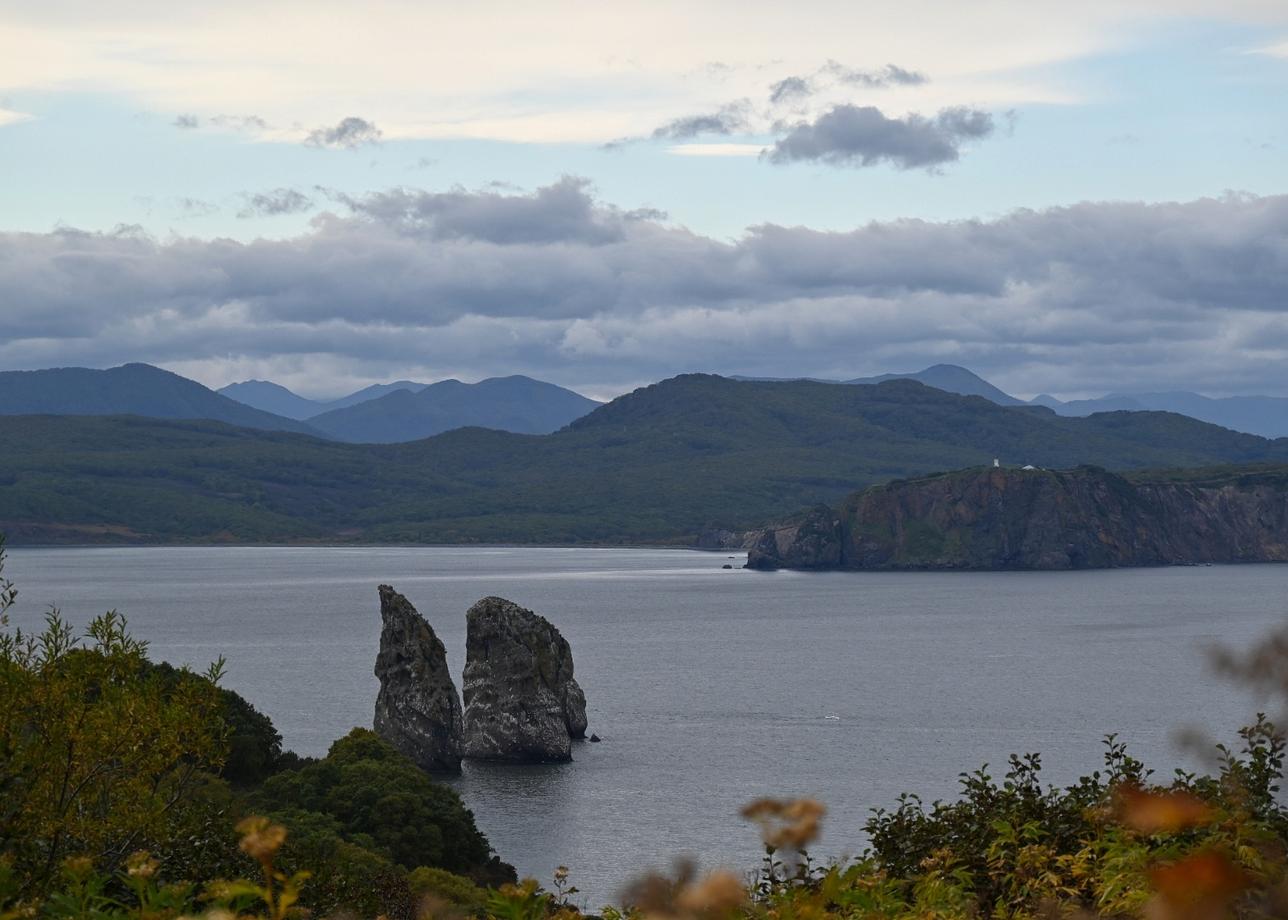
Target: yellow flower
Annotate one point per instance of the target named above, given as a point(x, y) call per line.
point(78, 866)
point(719, 892)
point(793, 824)
point(261, 839)
point(141, 865)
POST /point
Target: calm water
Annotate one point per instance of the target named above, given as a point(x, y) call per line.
point(709, 687)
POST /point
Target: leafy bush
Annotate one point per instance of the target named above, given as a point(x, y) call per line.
point(448, 887)
point(95, 750)
point(380, 799)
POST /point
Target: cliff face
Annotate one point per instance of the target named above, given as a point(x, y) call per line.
point(417, 709)
point(522, 703)
point(1036, 519)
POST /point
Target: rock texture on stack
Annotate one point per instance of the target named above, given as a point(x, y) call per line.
point(522, 703)
point(417, 710)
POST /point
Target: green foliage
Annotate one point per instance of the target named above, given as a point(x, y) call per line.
point(95, 752)
point(660, 464)
point(441, 885)
point(379, 799)
point(104, 753)
point(254, 745)
point(1011, 847)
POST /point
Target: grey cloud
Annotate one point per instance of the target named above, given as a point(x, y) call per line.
point(244, 123)
point(728, 119)
point(196, 207)
point(349, 133)
point(849, 135)
point(788, 89)
point(276, 203)
point(890, 75)
point(555, 283)
point(562, 212)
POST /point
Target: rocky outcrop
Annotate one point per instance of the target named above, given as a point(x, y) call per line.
point(996, 518)
point(724, 539)
point(522, 703)
point(813, 542)
point(417, 708)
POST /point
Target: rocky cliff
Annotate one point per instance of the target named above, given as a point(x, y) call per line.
point(417, 708)
point(990, 518)
point(522, 703)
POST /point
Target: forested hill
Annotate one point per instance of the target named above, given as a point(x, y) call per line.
point(663, 463)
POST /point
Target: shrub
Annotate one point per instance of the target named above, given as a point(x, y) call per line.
point(95, 751)
point(379, 798)
point(441, 885)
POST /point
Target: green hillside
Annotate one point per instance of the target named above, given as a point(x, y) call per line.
point(662, 463)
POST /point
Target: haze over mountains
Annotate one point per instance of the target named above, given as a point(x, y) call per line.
point(518, 404)
point(383, 413)
point(275, 398)
point(406, 410)
point(387, 413)
point(131, 389)
point(664, 463)
point(1266, 416)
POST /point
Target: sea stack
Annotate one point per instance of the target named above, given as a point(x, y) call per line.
point(522, 703)
point(417, 710)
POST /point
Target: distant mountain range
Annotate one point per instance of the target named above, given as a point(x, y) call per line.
point(383, 413)
point(275, 398)
point(1266, 416)
point(664, 463)
point(131, 389)
point(406, 410)
point(518, 404)
point(388, 413)
point(1263, 415)
point(951, 379)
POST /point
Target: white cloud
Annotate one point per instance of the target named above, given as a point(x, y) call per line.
point(10, 117)
point(541, 72)
point(1279, 50)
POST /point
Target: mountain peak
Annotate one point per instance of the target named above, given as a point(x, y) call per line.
point(950, 377)
point(130, 389)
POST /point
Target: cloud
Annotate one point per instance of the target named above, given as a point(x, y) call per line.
point(728, 119)
point(789, 89)
point(248, 124)
point(276, 203)
point(195, 207)
point(348, 134)
point(849, 135)
point(890, 75)
point(1277, 50)
point(245, 124)
point(563, 212)
point(839, 134)
point(553, 283)
point(436, 70)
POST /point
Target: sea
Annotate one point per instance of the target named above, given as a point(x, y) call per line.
point(710, 685)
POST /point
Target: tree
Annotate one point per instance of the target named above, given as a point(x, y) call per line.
point(96, 748)
point(383, 801)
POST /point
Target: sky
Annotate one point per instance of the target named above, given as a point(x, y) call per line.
point(1066, 198)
